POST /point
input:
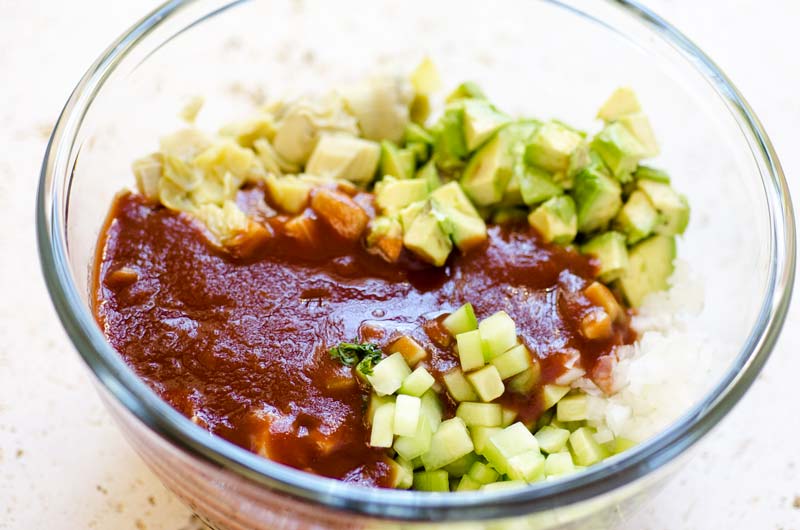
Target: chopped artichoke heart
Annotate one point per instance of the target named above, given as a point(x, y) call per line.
point(184, 144)
point(224, 222)
point(247, 132)
point(147, 171)
point(381, 106)
point(344, 157)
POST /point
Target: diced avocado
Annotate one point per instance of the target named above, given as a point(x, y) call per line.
point(619, 149)
point(623, 101)
point(481, 120)
point(556, 220)
point(397, 162)
point(610, 250)
point(449, 145)
point(289, 193)
point(639, 126)
point(672, 207)
point(430, 175)
point(536, 185)
point(461, 219)
point(392, 195)
point(650, 264)
point(426, 238)
point(651, 173)
point(408, 214)
point(344, 157)
point(466, 90)
point(488, 172)
point(425, 77)
point(509, 215)
point(416, 133)
point(598, 198)
point(385, 237)
point(420, 108)
point(552, 146)
point(419, 150)
point(637, 218)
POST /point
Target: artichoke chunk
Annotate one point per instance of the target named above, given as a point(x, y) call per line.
point(184, 144)
point(289, 193)
point(245, 133)
point(224, 222)
point(344, 157)
point(381, 107)
point(147, 171)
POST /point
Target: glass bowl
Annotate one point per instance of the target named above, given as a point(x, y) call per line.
point(545, 58)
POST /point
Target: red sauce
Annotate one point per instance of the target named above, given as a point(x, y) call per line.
point(240, 345)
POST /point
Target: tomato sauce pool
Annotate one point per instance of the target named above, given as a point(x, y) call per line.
point(240, 344)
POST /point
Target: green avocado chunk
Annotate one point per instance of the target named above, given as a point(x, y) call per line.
point(650, 264)
point(556, 220)
point(637, 218)
point(462, 221)
point(392, 195)
point(481, 120)
point(537, 185)
point(672, 207)
point(426, 238)
point(449, 145)
point(598, 198)
point(399, 163)
point(619, 149)
point(610, 251)
point(553, 148)
point(651, 173)
point(466, 90)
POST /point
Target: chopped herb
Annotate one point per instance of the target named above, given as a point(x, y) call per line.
point(352, 353)
point(369, 361)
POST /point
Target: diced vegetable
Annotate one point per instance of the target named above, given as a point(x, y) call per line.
point(392, 195)
point(411, 447)
point(480, 437)
point(410, 349)
point(511, 441)
point(509, 416)
point(619, 149)
point(468, 484)
point(499, 334)
point(552, 439)
point(621, 102)
point(383, 426)
point(527, 466)
point(558, 464)
point(466, 90)
point(551, 147)
point(598, 198)
point(556, 220)
point(599, 294)
point(396, 162)
point(673, 209)
point(610, 251)
point(431, 480)
point(461, 467)
point(480, 414)
point(470, 350)
point(637, 218)
point(406, 415)
point(461, 320)
point(551, 394)
point(388, 375)
point(481, 120)
point(459, 388)
point(450, 442)
point(344, 157)
point(289, 193)
point(431, 409)
point(513, 361)
point(649, 268)
point(403, 473)
point(596, 324)
point(572, 408)
point(585, 450)
point(487, 383)
point(417, 383)
point(523, 382)
point(483, 473)
point(426, 238)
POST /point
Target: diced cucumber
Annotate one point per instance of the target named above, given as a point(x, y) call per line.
point(411, 447)
point(598, 198)
point(470, 350)
point(468, 484)
point(509, 415)
point(552, 439)
point(637, 218)
point(402, 473)
point(499, 334)
point(450, 442)
point(388, 374)
point(619, 149)
point(480, 414)
point(483, 473)
point(556, 220)
point(375, 401)
point(417, 383)
point(382, 432)
point(460, 467)
point(558, 464)
point(511, 441)
point(527, 466)
point(513, 361)
point(537, 185)
point(410, 349)
point(551, 147)
point(461, 320)
point(459, 388)
point(480, 437)
point(585, 450)
point(572, 408)
point(506, 485)
point(487, 383)
point(431, 409)
point(525, 381)
point(551, 394)
point(672, 207)
point(392, 194)
point(650, 264)
point(406, 415)
point(618, 445)
point(431, 480)
point(481, 120)
point(610, 251)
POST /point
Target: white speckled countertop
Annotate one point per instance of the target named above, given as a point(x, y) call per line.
point(64, 465)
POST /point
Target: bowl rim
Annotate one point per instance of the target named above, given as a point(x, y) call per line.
point(158, 416)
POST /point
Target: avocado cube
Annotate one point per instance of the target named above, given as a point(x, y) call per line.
point(650, 265)
point(425, 77)
point(551, 147)
point(419, 150)
point(537, 185)
point(426, 238)
point(466, 90)
point(488, 172)
point(417, 133)
point(556, 220)
point(408, 214)
point(462, 220)
point(639, 126)
point(610, 251)
point(598, 198)
point(621, 102)
point(672, 207)
point(509, 215)
point(397, 162)
point(651, 173)
point(619, 149)
point(430, 175)
point(344, 157)
point(449, 145)
point(392, 195)
point(385, 238)
point(637, 218)
point(481, 121)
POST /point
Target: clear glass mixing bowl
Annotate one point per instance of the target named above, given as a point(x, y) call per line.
point(544, 58)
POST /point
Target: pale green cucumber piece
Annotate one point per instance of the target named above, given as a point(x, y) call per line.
point(525, 381)
point(402, 473)
point(382, 426)
point(411, 447)
point(468, 484)
point(460, 467)
point(417, 383)
point(480, 414)
point(431, 409)
point(487, 383)
point(527, 466)
point(450, 442)
point(499, 334)
point(431, 481)
point(506, 485)
point(552, 439)
point(672, 207)
point(470, 350)
point(558, 464)
point(388, 374)
point(508, 417)
point(459, 388)
point(650, 265)
point(610, 251)
point(618, 445)
point(483, 473)
point(406, 415)
point(481, 435)
point(585, 450)
point(513, 361)
point(551, 394)
point(511, 441)
point(375, 401)
point(619, 149)
point(637, 218)
point(572, 408)
point(556, 220)
point(598, 199)
point(461, 320)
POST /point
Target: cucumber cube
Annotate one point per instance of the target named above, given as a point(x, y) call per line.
point(552, 439)
point(499, 334)
point(406, 415)
point(461, 320)
point(388, 375)
point(509, 442)
point(480, 437)
point(512, 362)
point(483, 473)
point(585, 450)
point(417, 383)
point(572, 408)
point(402, 473)
point(410, 349)
point(480, 414)
point(458, 386)
point(527, 466)
point(431, 481)
point(461, 467)
point(551, 394)
point(470, 350)
point(618, 445)
point(468, 484)
point(525, 381)
point(382, 426)
point(375, 401)
point(558, 464)
point(431, 409)
point(509, 416)
point(507, 485)
point(487, 383)
point(449, 443)
point(411, 447)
